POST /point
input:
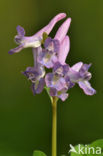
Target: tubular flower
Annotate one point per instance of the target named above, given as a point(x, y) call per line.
point(48, 55)
point(79, 74)
point(36, 74)
point(35, 40)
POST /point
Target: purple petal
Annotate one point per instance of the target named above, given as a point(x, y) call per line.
point(52, 44)
point(56, 81)
point(62, 31)
point(86, 86)
point(60, 69)
point(85, 67)
point(63, 96)
point(47, 58)
point(53, 92)
point(18, 39)
point(70, 84)
point(77, 66)
point(36, 52)
point(16, 50)
point(73, 75)
point(51, 24)
point(56, 45)
point(64, 50)
point(20, 30)
point(38, 88)
point(60, 83)
point(48, 79)
point(47, 42)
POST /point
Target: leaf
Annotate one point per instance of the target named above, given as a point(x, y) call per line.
point(95, 151)
point(38, 153)
point(76, 148)
point(97, 144)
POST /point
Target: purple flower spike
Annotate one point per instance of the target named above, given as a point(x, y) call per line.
point(52, 53)
point(35, 40)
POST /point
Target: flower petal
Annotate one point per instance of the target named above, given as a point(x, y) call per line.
point(16, 50)
point(86, 86)
point(53, 92)
point(51, 24)
point(63, 96)
point(52, 44)
point(62, 31)
point(20, 30)
point(77, 66)
point(64, 50)
point(47, 58)
point(38, 87)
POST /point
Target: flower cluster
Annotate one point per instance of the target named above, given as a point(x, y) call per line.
point(51, 53)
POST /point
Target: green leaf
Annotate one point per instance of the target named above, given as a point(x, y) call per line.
point(77, 150)
point(96, 144)
point(38, 153)
point(95, 151)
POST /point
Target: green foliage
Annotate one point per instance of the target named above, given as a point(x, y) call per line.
point(38, 153)
point(95, 145)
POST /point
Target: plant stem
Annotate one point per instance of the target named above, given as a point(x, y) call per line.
point(54, 126)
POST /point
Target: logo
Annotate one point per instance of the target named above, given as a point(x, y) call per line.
point(80, 149)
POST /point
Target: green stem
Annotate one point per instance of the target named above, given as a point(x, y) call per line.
point(54, 126)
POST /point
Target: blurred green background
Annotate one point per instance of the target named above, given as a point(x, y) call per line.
point(25, 120)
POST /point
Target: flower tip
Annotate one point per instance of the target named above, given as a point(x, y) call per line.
point(11, 52)
point(60, 16)
point(69, 20)
point(63, 15)
point(93, 92)
point(20, 30)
